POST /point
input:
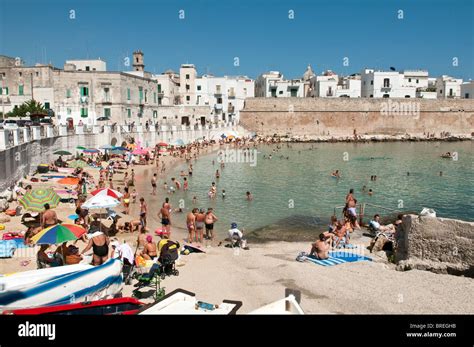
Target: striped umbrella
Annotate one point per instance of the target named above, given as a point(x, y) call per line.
point(58, 233)
point(35, 199)
point(109, 192)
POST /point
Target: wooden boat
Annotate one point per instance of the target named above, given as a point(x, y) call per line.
point(181, 301)
point(117, 306)
point(93, 283)
point(288, 305)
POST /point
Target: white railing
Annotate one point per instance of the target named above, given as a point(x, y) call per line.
point(12, 138)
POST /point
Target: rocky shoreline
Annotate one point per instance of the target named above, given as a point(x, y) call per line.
point(368, 138)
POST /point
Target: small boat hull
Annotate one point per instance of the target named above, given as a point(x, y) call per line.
point(87, 285)
point(183, 302)
point(118, 306)
point(288, 305)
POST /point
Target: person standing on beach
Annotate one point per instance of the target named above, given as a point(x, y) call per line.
point(132, 178)
point(165, 215)
point(350, 199)
point(48, 217)
point(200, 219)
point(143, 212)
point(191, 224)
point(126, 200)
point(210, 219)
point(153, 184)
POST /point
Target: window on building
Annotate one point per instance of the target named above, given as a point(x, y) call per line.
point(129, 113)
point(140, 94)
point(128, 93)
point(84, 112)
point(188, 98)
point(371, 96)
point(219, 100)
point(37, 73)
point(20, 89)
point(407, 96)
point(155, 114)
point(1, 91)
point(6, 90)
point(107, 94)
point(159, 101)
point(68, 111)
point(417, 81)
point(450, 92)
point(409, 80)
point(273, 91)
point(159, 88)
point(187, 76)
point(198, 88)
point(88, 68)
point(154, 97)
point(386, 96)
point(20, 74)
point(46, 105)
point(218, 89)
point(386, 82)
point(280, 92)
point(107, 112)
point(466, 96)
point(372, 82)
point(245, 91)
point(84, 91)
point(68, 93)
point(146, 95)
point(441, 91)
point(294, 92)
point(187, 86)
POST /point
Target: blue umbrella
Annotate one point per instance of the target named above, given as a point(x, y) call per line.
point(120, 148)
point(223, 136)
point(91, 150)
point(179, 142)
point(107, 147)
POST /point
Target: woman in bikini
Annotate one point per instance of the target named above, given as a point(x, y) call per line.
point(100, 248)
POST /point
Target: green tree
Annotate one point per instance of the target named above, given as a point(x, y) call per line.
point(31, 106)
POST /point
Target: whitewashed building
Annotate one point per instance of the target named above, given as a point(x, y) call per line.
point(448, 87)
point(273, 84)
point(385, 84)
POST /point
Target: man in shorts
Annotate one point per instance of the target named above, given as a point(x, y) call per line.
point(153, 184)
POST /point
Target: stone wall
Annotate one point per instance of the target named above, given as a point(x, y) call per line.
point(436, 244)
point(340, 117)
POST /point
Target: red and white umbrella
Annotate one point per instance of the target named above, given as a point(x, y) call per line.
point(107, 192)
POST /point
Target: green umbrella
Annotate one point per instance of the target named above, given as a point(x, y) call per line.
point(34, 200)
point(77, 163)
point(80, 147)
point(61, 152)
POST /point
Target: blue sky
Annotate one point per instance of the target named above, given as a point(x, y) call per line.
point(258, 32)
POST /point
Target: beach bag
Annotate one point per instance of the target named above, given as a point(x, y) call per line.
point(428, 212)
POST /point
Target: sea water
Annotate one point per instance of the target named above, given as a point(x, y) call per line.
point(299, 194)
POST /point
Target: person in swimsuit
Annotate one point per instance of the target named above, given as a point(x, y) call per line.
point(190, 170)
point(200, 218)
point(320, 249)
point(191, 224)
point(143, 212)
point(149, 252)
point(153, 184)
point(100, 248)
point(49, 217)
point(126, 200)
point(185, 184)
point(165, 216)
point(210, 219)
point(350, 200)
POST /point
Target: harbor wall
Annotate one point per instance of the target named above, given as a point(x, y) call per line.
point(341, 117)
point(440, 245)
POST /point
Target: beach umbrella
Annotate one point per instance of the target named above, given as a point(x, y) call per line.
point(34, 200)
point(108, 192)
point(179, 142)
point(81, 147)
point(106, 147)
point(77, 163)
point(61, 152)
point(72, 181)
point(117, 152)
point(223, 136)
point(100, 201)
point(120, 148)
point(162, 144)
point(58, 233)
point(139, 151)
point(91, 151)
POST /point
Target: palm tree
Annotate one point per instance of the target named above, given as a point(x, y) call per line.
point(28, 107)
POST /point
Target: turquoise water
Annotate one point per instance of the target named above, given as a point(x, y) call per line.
point(300, 194)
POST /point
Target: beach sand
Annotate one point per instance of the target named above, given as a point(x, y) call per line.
point(260, 275)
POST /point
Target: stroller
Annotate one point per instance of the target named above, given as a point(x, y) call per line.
point(168, 256)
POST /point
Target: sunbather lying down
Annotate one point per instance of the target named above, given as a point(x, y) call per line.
point(375, 224)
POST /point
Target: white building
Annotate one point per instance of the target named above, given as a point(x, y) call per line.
point(385, 84)
point(273, 84)
point(467, 90)
point(448, 87)
point(88, 64)
point(415, 78)
point(226, 95)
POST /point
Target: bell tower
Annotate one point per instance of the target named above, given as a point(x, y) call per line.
point(138, 64)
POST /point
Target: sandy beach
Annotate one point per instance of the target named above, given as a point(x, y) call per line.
point(260, 275)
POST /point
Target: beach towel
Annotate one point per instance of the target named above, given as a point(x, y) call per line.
point(335, 258)
point(53, 176)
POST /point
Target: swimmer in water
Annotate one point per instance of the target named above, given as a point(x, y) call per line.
point(336, 174)
point(441, 173)
point(223, 193)
point(218, 174)
point(249, 196)
point(370, 192)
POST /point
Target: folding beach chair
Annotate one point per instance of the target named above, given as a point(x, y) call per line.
point(149, 280)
